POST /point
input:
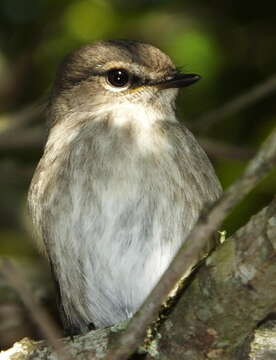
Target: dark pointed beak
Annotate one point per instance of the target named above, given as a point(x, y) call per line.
point(179, 81)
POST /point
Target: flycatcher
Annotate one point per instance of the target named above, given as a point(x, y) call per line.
point(121, 181)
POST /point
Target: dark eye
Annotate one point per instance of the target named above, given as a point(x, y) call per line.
point(118, 77)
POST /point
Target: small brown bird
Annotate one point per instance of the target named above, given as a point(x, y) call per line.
point(121, 181)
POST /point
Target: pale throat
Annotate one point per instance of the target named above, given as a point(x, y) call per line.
point(141, 114)
point(143, 119)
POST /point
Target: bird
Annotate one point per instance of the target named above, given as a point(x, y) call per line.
point(121, 183)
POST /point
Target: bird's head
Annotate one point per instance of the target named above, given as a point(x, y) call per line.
point(115, 73)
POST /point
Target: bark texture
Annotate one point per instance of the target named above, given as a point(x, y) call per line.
point(228, 297)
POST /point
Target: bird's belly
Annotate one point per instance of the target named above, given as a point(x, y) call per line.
point(112, 216)
point(127, 236)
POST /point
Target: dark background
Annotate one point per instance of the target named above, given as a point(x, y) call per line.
point(230, 43)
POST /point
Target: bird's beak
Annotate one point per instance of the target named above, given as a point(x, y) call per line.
point(178, 81)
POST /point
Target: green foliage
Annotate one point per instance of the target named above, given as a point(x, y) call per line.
point(88, 20)
point(198, 49)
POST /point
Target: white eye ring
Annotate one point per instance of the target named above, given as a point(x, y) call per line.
point(115, 89)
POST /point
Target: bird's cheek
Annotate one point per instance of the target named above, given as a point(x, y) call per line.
point(168, 95)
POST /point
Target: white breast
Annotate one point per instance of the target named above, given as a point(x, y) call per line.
point(116, 208)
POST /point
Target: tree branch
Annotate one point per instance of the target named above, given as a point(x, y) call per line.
point(20, 119)
point(228, 297)
point(243, 101)
point(263, 346)
point(221, 149)
point(24, 139)
point(40, 316)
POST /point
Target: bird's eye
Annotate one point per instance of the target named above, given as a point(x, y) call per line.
point(118, 77)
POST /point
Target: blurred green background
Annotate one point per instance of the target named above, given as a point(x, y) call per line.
point(230, 43)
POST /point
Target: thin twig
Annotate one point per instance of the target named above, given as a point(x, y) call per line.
point(243, 101)
point(223, 150)
point(47, 326)
point(20, 119)
point(29, 138)
point(192, 250)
